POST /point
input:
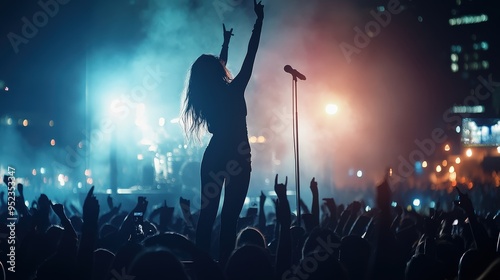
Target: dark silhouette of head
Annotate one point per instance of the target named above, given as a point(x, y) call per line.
point(52, 237)
point(207, 80)
point(422, 267)
point(472, 264)
point(317, 238)
point(125, 255)
point(355, 256)
point(157, 263)
point(102, 262)
point(250, 236)
point(249, 263)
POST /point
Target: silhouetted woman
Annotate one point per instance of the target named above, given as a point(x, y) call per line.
point(216, 102)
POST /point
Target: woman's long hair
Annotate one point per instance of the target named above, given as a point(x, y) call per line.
point(206, 83)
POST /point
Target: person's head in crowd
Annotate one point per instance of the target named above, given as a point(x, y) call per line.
point(249, 263)
point(102, 262)
point(250, 236)
point(318, 238)
point(355, 256)
point(156, 264)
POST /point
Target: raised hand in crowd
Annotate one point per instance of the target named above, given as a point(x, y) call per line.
point(89, 235)
point(315, 201)
point(262, 214)
point(112, 211)
point(332, 212)
point(283, 215)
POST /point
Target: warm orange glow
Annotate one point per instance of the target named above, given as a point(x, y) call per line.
point(447, 147)
point(470, 185)
point(445, 162)
point(457, 160)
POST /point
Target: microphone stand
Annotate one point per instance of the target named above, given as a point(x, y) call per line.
point(295, 124)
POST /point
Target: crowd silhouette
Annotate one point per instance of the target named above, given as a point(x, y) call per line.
point(59, 241)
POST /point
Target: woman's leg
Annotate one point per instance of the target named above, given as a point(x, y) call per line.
point(210, 197)
point(236, 189)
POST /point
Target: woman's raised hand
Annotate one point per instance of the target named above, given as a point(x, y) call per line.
point(259, 9)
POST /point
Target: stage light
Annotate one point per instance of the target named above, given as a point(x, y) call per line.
point(252, 139)
point(51, 123)
point(6, 88)
point(424, 164)
point(9, 121)
point(140, 157)
point(33, 172)
point(367, 208)
point(394, 204)
point(416, 202)
point(457, 129)
point(25, 122)
point(331, 109)
point(261, 139)
point(52, 142)
point(444, 163)
point(457, 160)
point(90, 181)
point(42, 170)
point(468, 153)
point(60, 178)
point(447, 148)
point(452, 169)
point(88, 173)
point(498, 149)
point(359, 174)
point(432, 204)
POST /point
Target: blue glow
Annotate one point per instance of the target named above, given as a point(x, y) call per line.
point(416, 202)
point(418, 167)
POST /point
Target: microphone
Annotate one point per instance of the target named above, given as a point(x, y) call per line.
point(294, 72)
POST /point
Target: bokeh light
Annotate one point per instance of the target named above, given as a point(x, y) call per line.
point(331, 109)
